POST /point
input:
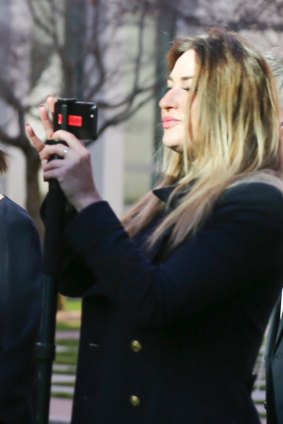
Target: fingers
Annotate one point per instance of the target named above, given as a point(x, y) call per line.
point(50, 151)
point(52, 165)
point(73, 142)
point(52, 169)
point(50, 100)
point(45, 120)
point(45, 117)
point(54, 150)
point(35, 141)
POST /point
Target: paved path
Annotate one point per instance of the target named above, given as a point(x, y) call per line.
point(70, 334)
point(60, 411)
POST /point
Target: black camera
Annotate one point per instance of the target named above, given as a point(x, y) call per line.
point(79, 118)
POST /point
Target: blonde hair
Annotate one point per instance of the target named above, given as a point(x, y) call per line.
point(237, 134)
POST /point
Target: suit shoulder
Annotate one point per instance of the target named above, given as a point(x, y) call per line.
point(14, 215)
point(255, 202)
point(253, 194)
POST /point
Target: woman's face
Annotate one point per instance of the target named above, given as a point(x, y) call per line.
point(173, 104)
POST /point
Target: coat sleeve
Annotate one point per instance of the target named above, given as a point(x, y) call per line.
point(237, 244)
point(72, 269)
point(20, 313)
point(75, 278)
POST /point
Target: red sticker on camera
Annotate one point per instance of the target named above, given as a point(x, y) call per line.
point(73, 120)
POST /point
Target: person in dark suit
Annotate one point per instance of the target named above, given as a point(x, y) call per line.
point(20, 302)
point(177, 295)
point(274, 345)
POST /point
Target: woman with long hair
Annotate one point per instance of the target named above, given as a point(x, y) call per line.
point(176, 296)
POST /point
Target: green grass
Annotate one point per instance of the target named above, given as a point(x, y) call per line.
point(70, 372)
point(66, 358)
point(65, 384)
point(61, 395)
point(67, 342)
point(72, 304)
point(68, 325)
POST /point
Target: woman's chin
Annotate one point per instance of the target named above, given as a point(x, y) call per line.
point(176, 147)
point(173, 145)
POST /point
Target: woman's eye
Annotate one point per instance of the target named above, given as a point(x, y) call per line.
point(187, 88)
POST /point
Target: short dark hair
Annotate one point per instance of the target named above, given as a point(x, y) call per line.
point(3, 161)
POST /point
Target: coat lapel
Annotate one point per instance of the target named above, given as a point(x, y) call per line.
point(157, 248)
point(163, 194)
point(279, 332)
point(276, 329)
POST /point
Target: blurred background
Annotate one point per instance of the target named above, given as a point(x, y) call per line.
point(111, 52)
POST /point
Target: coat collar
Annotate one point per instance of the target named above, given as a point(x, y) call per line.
point(164, 193)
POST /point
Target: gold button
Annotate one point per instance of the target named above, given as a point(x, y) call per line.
point(135, 401)
point(136, 346)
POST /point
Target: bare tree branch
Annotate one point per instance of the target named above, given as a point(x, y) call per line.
point(113, 61)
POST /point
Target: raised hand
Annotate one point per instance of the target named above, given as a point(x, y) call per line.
point(68, 161)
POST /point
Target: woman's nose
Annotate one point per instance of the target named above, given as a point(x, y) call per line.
point(169, 100)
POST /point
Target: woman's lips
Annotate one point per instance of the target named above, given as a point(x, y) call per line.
point(169, 122)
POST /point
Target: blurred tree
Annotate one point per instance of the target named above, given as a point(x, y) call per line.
point(97, 50)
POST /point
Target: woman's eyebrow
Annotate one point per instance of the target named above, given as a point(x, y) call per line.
point(186, 78)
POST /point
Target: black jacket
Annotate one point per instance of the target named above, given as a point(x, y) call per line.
point(173, 339)
point(20, 265)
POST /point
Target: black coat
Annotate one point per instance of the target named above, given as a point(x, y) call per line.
point(274, 368)
point(20, 264)
point(174, 338)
